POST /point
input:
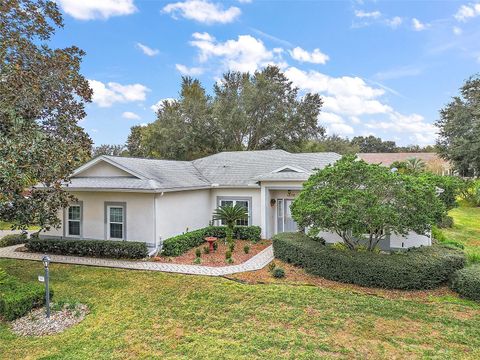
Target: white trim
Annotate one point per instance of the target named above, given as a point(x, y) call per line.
point(297, 169)
point(95, 161)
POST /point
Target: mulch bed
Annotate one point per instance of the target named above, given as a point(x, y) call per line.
point(295, 275)
point(36, 324)
point(217, 258)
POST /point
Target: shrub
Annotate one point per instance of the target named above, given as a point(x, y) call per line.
point(215, 246)
point(246, 249)
point(18, 298)
point(94, 248)
point(177, 245)
point(466, 282)
point(420, 268)
point(228, 254)
point(198, 253)
point(206, 250)
point(278, 273)
point(229, 260)
point(446, 222)
point(271, 266)
point(231, 246)
point(13, 239)
point(197, 260)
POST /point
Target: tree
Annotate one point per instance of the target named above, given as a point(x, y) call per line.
point(332, 143)
point(459, 129)
point(42, 97)
point(230, 215)
point(362, 203)
point(106, 149)
point(372, 144)
point(415, 165)
point(247, 112)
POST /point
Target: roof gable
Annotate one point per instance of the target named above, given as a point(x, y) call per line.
point(104, 167)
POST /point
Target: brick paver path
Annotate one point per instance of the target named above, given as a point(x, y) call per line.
point(255, 263)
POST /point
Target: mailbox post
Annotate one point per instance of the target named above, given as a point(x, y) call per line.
point(46, 262)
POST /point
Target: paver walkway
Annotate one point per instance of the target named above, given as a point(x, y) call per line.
point(255, 263)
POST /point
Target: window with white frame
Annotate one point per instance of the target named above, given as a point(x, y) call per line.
point(116, 222)
point(74, 220)
point(233, 202)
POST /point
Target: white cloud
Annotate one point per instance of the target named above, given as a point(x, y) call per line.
point(466, 12)
point(159, 104)
point(394, 22)
point(202, 11)
point(244, 1)
point(130, 115)
point(97, 9)
point(456, 30)
point(399, 72)
point(147, 50)
point(192, 71)
point(417, 25)
point(105, 95)
point(334, 124)
point(245, 54)
point(315, 57)
point(373, 14)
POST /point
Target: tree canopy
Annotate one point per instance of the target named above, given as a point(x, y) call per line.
point(42, 96)
point(362, 203)
point(459, 125)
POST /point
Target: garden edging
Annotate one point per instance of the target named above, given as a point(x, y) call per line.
point(257, 262)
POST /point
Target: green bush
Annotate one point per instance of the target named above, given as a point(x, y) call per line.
point(246, 249)
point(228, 254)
point(198, 253)
point(278, 273)
point(13, 239)
point(177, 245)
point(466, 282)
point(93, 248)
point(18, 298)
point(206, 250)
point(420, 268)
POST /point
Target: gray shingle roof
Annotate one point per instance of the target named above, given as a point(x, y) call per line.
point(239, 168)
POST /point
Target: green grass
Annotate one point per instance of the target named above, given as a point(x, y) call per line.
point(136, 314)
point(466, 230)
point(8, 226)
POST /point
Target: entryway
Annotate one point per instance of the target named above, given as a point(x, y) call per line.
point(285, 223)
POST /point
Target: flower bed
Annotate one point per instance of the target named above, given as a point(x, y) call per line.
point(217, 258)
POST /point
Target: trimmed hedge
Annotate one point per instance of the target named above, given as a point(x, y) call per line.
point(93, 248)
point(177, 245)
point(13, 239)
point(420, 268)
point(466, 282)
point(18, 298)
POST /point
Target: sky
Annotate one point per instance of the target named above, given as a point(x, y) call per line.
point(383, 68)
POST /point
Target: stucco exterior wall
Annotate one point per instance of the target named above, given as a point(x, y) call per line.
point(139, 215)
point(177, 212)
point(103, 169)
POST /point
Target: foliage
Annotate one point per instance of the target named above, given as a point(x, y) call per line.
point(18, 298)
point(206, 250)
point(198, 253)
point(13, 239)
point(415, 165)
point(466, 282)
point(332, 143)
point(364, 202)
point(278, 273)
point(106, 149)
point(372, 144)
point(459, 129)
point(179, 244)
point(446, 222)
point(420, 268)
point(92, 248)
point(256, 111)
point(230, 215)
point(42, 96)
point(246, 249)
point(470, 192)
point(228, 254)
point(271, 266)
point(450, 187)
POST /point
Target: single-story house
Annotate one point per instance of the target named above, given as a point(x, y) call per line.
point(433, 162)
point(149, 200)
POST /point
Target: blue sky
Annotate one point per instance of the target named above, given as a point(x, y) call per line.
point(383, 68)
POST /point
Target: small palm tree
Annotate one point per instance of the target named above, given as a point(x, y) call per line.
point(230, 215)
point(415, 165)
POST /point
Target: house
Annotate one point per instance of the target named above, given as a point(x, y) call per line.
point(433, 162)
point(150, 200)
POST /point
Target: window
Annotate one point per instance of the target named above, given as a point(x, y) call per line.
point(74, 220)
point(244, 203)
point(116, 222)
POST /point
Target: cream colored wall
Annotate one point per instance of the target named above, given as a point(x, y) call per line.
point(178, 211)
point(254, 193)
point(103, 169)
point(139, 211)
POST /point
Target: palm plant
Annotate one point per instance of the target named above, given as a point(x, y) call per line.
point(229, 215)
point(415, 165)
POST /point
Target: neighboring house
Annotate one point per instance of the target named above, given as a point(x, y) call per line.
point(433, 162)
point(151, 200)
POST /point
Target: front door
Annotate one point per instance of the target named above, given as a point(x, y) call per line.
point(285, 223)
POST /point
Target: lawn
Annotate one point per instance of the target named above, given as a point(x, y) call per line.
point(466, 230)
point(8, 226)
point(136, 314)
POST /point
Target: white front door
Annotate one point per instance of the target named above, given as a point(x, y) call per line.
point(285, 223)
